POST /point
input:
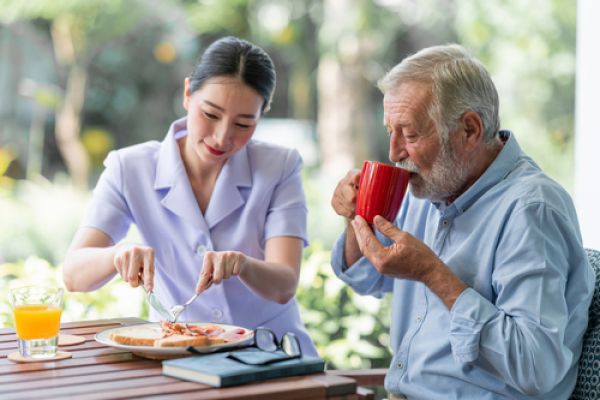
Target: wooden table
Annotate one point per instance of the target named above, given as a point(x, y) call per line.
point(97, 371)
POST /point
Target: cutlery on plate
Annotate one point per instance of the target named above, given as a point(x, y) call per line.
point(177, 309)
point(156, 304)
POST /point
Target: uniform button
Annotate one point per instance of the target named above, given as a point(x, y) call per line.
point(217, 314)
point(200, 250)
point(445, 222)
point(419, 319)
point(400, 365)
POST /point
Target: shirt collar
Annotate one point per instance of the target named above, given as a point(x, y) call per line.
point(498, 170)
point(170, 166)
point(171, 176)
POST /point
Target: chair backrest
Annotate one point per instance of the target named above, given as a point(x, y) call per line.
point(588, 376)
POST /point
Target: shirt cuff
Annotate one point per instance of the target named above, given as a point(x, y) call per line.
point(361, 275)
point(470, 313)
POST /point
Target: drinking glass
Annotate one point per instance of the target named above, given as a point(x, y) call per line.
point(36, 311)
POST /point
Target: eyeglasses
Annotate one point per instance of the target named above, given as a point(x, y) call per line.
point(269, 349)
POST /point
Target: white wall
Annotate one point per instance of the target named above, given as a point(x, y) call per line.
point(587, 122)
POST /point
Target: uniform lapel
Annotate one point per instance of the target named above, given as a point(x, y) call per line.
point(226, 197)
point(172, 182)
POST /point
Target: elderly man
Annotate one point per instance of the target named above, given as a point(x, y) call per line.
point(490, 282)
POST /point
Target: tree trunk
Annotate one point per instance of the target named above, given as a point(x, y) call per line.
point(68, 116)
point(335, 124)
point(68, 126)
point(344, 116)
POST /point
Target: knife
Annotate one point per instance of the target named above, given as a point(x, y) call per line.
point(156, 304)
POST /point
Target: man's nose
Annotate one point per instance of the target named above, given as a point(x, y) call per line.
point(397, 148)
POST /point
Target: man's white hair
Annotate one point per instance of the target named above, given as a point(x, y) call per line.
point(459, 83)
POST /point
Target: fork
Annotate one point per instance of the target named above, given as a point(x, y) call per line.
point(177, 309)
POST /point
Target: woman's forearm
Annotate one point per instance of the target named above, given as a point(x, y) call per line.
point(89, 268)
point(276, 282)
point(276, 277)
point(89, 261)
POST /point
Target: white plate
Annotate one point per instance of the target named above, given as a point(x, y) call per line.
point(171, 352)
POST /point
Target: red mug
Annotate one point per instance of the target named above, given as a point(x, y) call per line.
point(380, 190)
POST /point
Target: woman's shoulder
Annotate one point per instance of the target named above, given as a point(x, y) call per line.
point(272, 154)
point(136, 154)
point(140, 150)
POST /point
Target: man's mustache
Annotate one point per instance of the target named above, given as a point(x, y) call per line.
point(408, 165)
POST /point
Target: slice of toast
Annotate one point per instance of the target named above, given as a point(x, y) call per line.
point(137, 336)
point(214, 340)
point(182, 341)
point(156, 336)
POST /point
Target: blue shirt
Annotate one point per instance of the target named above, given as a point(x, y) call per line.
point(258, 195)
point(516, 332)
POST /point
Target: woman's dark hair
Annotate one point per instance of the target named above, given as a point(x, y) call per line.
point(230, 56)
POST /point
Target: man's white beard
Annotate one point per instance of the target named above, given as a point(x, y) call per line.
point(448, 176)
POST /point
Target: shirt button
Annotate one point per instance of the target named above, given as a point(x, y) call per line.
point(419, 319)
point(217, 314)
point(200, 250)
point(445, 222)
point(400, 365)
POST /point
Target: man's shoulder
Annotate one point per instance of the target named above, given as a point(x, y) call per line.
point(530, 185)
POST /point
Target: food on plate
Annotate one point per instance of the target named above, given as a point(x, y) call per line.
point(170, 334)
point(137, 336)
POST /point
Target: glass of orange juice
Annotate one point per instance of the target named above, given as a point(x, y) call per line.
point(36, 310)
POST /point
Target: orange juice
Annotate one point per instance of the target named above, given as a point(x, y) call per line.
point(37, 321)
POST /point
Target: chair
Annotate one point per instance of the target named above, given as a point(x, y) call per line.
point(588, 376)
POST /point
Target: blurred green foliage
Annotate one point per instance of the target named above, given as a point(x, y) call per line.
point(350, 331)
point(531, 56)
point(135, 55)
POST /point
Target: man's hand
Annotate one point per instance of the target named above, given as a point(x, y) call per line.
point(218, 266)
point(344, 204)
point(406, 258)
point(344, 196)
point(133, 262)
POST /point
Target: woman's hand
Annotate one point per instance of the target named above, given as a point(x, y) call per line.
point(135, 264)
point(218, 266)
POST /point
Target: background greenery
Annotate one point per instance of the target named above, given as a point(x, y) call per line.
point(81, 77)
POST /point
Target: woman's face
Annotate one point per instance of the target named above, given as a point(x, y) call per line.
point(222, 116)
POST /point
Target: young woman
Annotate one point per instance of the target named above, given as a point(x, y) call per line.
point(219, 213)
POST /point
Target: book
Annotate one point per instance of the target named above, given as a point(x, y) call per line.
point(219, 370)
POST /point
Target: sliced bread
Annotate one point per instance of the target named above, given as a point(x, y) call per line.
point(138, 336)
point(182, 341)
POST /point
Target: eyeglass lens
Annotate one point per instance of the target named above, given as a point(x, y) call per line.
point(290, 344)
point(265, 340)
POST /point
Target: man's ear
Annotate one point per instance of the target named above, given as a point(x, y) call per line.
point(473, 128)
point(186, 93)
